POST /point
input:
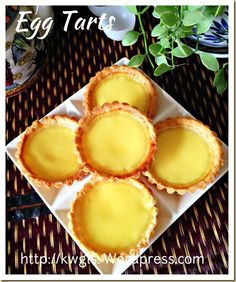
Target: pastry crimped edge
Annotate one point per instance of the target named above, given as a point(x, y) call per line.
point(112, 107)
point(113, 256)
point(70, 122)
point(134, 73)
point(211, 138)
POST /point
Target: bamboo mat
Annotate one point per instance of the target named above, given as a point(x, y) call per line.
point(73, 57)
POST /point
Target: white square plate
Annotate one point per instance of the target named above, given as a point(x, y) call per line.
point(171, 207)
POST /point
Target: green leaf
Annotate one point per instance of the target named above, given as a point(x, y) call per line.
point(184, 31)
point(130, 38)
point(219, 11)
point(204, 25)
point(192, 18)
point(210, 10)
point(221, 87)
point(156, 49)
point(209, 61)
point(182, 51)
point(132, 9)
point(187, 28)
point(155, 15)
point(144, 10)
point(161, 60)
point(136, 60)
point(219, 76)
point(193, 8)
point(220, 82)
point(169, 18)
point(162, 68)
point(165, 42)
point(159, 10)
point(159, 31)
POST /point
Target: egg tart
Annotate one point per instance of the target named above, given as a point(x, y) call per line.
point(47, 152)
point(113, 218)
point(122, 84)
point(116, 140)
point(188, 155)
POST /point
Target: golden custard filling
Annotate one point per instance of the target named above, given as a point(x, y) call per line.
point(122, 88)
point(113, 216)
point(49, 153)
point(116, 143)
point(183, 157)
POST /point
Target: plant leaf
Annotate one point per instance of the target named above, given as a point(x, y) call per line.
point(159, 31)
point(219, 76)
point(187, 28)
point(136, 60)
point(221, 87)
point(209, 61)
point(144, 10)
point(193, 8)
point(156, 49)
point(155, 15)
point(182, 51)
point(162, 68)
point(130, 38)
point(169, 18)
point(184, 31)
point(182, 34)
point(192, 18)
point(159, 10)
point(204, 25)
point(161, 60)
point(220, 82)
point(209, 10)
point(132, 9)
point(165, 42)
point(219, 11)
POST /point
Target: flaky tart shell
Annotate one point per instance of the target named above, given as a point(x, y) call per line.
point(133, 73)
point(205, 132)
point(85, 122)
point(115, 255)
point(64, 120)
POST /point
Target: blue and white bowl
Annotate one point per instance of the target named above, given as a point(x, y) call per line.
point(217, 35)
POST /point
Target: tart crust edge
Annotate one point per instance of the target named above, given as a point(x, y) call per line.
point(214, 143)
point(81, 239)
point(70, 122)
point(109, 107)
point(133, 72)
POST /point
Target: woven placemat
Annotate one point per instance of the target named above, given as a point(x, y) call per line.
point(73, 57)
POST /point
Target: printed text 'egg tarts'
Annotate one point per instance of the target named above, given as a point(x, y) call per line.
point(116, 140)
point(113, 219)
point(188, 155)
point(47, 152)
point(122, 84)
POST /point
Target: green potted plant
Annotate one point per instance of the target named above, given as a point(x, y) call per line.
point(175, 24)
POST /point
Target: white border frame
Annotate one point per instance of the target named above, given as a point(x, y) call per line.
point(230, 275)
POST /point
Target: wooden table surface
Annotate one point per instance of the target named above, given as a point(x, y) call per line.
point(73, 57)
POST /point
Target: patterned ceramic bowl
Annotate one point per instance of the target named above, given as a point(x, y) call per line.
point(24, 58)
point(217, 35)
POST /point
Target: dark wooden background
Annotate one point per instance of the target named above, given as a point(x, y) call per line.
point(73, 57)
